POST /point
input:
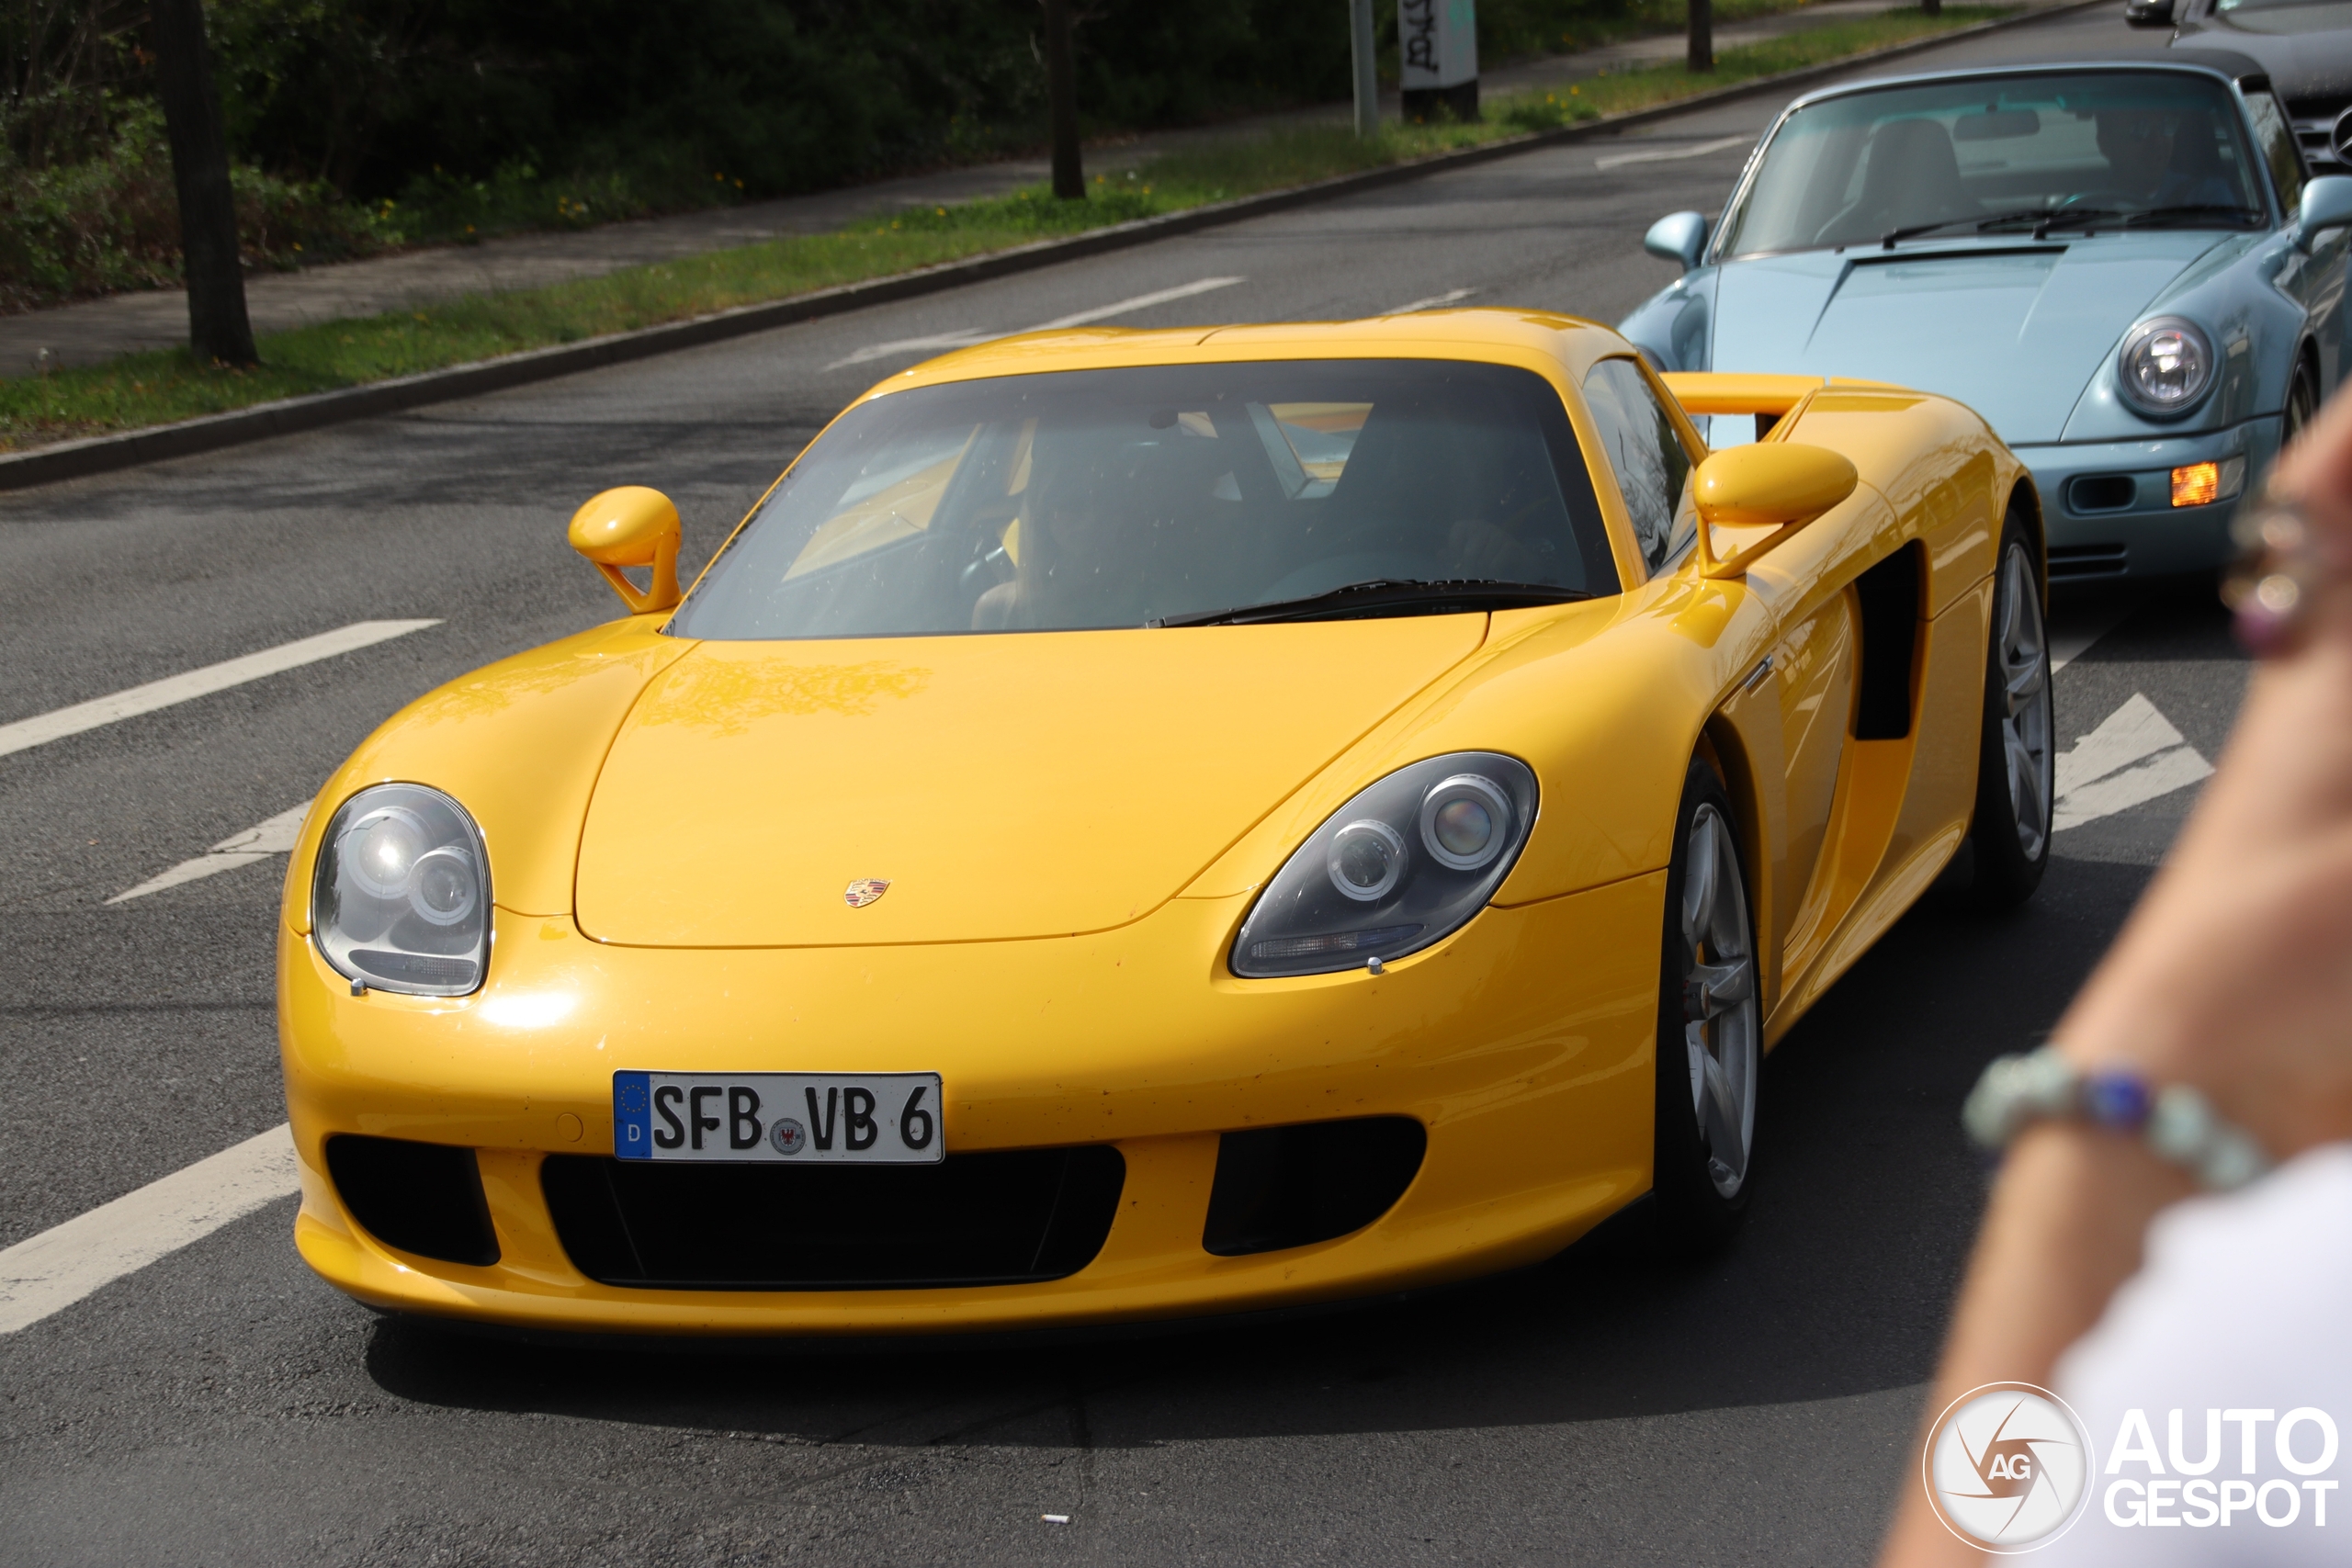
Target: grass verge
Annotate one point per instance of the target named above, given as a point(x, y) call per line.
point(140, 390)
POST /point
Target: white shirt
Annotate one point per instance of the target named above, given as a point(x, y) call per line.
point(2241, 1316)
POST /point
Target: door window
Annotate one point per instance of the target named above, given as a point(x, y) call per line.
point(2279, 149)
point(1653, 469)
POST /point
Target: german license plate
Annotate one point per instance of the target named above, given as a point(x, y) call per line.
point(778, 1118)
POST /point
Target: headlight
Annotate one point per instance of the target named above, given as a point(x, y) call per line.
point(2166, 366)
point(401, 899)
point(1402, 864)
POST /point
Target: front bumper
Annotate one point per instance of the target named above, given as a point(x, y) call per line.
point(2093, 539)
point(1525, 1044)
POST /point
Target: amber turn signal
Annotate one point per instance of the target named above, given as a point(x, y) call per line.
point(2202, 484)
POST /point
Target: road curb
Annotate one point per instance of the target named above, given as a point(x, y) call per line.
point(106, 454)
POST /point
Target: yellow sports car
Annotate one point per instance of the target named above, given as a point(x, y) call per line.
point(1146, 823)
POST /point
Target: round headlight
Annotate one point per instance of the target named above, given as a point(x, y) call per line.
point(445, 887)
point(2166, 366)
point(1466, 821)
point(400, 898)
point(382, 849)
point(1367, 858)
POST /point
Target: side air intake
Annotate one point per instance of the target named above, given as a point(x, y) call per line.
point(1279, 1187)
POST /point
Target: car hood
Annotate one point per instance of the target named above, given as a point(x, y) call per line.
point(2015, 331)
point(1006, 787)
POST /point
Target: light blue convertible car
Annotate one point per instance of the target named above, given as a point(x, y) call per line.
point(2127, 269)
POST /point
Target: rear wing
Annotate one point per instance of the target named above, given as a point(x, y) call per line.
point(1768, 398)
point(1707, 392)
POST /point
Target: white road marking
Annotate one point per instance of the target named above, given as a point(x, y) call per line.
point(964, 339)
point(50, 1272)
point(898, 346)
point(99, 711)
point(1141, 301)
point(1668, 154)
point(2134, 756)
point(1432, 302)
point(264, 841)
point(2068, 646)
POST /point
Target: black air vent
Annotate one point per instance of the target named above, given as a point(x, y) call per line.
point(420, 1198)
point(2075, 563)
point(980, 1219)
point(1280, 1187)
point(1889, 592)
point(2102, 493)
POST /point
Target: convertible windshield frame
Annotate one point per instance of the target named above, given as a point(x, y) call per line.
point(1130, 497)
point(1726, 242)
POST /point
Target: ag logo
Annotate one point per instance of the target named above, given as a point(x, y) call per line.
point(2007, 1467)
point(865, 890)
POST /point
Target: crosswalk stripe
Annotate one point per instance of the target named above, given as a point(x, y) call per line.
point(39, 730)
point(49, 1272)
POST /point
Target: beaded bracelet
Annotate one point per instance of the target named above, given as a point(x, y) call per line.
point(2180, 1124)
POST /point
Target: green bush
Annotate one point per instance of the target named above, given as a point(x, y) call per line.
point(112, 222)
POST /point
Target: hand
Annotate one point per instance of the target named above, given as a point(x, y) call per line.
point(2235, 972)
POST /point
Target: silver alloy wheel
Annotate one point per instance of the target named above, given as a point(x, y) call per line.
point(1719, 1012)
point(2023, 656)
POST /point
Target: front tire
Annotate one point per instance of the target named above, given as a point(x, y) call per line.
point(2016, 763)
point(2302, 403)
point(1709, 1035)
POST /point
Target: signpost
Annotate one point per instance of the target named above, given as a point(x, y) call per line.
point(1367, 78)
point(1437, 42)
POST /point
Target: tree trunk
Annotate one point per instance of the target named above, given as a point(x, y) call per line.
point(218, 329)
point(1702, 55)
point(1061, 94)
point(1364, 60)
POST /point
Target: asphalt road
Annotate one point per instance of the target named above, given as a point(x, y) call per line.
point(221, 1405)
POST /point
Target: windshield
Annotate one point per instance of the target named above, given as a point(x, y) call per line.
point(2152, 149)
point(1118, 498)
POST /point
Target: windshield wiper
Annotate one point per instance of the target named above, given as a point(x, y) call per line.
point(1387, 596)
point(2045, 219)
point(2023, 215)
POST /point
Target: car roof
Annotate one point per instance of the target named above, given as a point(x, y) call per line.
point(2226, 64)
point(1489, 333)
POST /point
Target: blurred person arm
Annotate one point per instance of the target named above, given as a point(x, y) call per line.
point(2233, 975)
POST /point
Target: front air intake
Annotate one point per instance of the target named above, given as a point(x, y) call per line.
point(420, 1198)
point(1279, 1187)
point(1006, 1218)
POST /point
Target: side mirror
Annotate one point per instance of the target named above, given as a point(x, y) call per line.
point(1678, 237)
point(636, 526)
point(2326, 204)
point(1776, 486)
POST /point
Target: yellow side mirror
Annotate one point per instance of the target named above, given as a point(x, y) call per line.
point(1779, 486)
point(632, 526)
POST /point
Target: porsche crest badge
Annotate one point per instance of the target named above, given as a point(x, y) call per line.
point(865, 890)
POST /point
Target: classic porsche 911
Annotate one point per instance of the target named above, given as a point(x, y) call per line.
point(2125, 267)
point(1148, 823)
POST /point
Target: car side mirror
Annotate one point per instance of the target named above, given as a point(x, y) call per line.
point(634, 527)
point(1678, 237)
point(2326, 204)
point(1762, 494)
